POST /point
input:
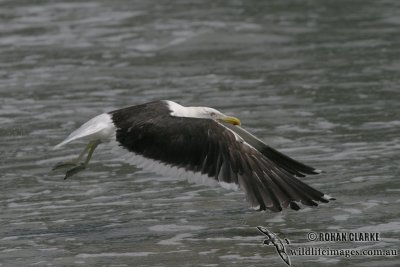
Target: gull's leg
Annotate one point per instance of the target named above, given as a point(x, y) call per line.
point(74, 162)
point(81, 166)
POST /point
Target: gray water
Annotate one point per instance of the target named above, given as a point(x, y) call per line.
point(318, 80)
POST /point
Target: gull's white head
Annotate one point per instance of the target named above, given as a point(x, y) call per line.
point(200, 112)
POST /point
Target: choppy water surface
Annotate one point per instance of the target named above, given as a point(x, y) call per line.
point(317, 79)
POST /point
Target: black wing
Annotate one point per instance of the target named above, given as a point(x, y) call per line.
point(290, 165)
point(208, 147)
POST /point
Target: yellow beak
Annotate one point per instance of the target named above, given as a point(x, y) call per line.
point(231, 120)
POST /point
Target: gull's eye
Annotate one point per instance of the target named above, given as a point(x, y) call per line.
point(212, 114)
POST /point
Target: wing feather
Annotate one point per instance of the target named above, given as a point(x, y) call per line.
point(225, 155)
point(290, 165)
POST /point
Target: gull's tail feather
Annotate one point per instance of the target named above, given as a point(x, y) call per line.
point(100, 128)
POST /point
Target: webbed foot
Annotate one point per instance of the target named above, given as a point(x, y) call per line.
point(63, 165)
point(78, 167)
point(75, 166)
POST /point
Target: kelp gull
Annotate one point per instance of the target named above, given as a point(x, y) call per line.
point(202, 144)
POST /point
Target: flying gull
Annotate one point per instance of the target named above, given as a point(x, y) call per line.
point(201, 144)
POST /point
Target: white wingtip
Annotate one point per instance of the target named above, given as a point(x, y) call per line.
point(328, 197)
point(229, 186)
point(318, 171)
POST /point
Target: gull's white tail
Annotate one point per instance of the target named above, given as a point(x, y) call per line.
point(100, 128)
